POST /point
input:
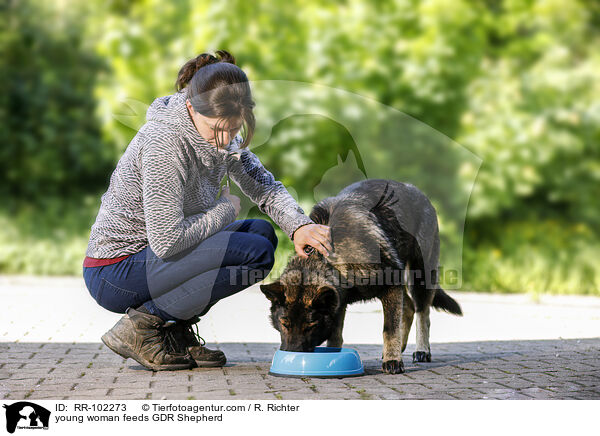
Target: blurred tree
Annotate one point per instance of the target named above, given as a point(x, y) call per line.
point(51, 138)
point(534, 116)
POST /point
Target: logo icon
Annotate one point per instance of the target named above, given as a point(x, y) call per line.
point(26, 415)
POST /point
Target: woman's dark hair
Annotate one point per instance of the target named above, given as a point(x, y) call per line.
point(217, 88)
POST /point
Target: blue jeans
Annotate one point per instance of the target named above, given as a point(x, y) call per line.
point(190, 282)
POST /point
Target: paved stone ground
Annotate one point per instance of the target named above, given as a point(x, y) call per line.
point(551, 369)
point(505, 347)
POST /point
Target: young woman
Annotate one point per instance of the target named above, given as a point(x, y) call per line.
point(164, 247)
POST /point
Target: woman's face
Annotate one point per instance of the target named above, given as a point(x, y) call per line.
point(212, 129)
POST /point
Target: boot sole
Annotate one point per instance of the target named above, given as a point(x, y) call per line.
point(119, 347)
point(210, 364)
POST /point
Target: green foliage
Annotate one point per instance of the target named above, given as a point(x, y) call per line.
point(533, 117)
point(515, 82)
point(51, 140)
point(48, 238)
point(543, 257)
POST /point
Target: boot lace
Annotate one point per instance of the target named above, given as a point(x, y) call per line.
point(176, 332)
point(193, 328)
point(169, 340)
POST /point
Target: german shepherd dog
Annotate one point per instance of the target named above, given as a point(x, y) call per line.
point(386, 246)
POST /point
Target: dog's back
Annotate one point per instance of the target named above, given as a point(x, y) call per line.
point(382, 221)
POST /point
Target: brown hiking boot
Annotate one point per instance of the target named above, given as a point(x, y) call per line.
point(182, 332)
point(143, 337)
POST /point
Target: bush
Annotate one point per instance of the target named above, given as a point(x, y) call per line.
point(51, 139)
point(549, 256)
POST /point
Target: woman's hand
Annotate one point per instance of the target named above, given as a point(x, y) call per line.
point(235, 200)
point(315, 235)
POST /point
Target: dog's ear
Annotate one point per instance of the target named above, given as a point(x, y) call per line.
point(326, 300)
point(274, 292)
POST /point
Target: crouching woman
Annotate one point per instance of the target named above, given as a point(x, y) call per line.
point(165, 246)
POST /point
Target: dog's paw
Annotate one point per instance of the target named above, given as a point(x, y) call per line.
point(421, 356)
point(393, 367)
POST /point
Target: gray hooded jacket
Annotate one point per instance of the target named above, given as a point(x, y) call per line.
point(163, 191)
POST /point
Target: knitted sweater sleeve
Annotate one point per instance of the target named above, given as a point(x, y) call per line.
point(163, 181)
point(270, 195)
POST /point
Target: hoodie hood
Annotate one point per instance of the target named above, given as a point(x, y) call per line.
point(172, 111)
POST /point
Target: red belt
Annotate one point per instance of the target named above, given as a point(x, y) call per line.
point(91, 261)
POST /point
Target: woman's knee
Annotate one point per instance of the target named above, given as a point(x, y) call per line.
point(265, 228)
point(263, 254)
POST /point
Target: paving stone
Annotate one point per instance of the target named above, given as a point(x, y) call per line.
point(553, 369)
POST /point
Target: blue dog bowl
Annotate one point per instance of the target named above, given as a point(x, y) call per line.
point(324, 362)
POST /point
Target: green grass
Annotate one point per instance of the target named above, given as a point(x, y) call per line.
point(544, 257)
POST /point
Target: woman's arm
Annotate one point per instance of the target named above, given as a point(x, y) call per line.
point(163, 181)
point(270, 195)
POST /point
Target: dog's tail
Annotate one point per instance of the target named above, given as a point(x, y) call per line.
point(443, 301)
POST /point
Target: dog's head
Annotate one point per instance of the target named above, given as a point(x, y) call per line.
point(303, 314)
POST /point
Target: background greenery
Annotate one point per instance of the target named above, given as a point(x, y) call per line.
point(514, 82)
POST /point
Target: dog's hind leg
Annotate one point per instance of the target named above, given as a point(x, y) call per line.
point(336, 340)
point(391, 301)
point(423, 291)
point(408, 311)
point(423, 350)
point(423, 298)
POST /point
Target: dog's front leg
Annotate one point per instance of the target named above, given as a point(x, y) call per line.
point(392, 343)
point(336, 340)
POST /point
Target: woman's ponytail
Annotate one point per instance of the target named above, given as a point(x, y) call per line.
point(189, 69)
